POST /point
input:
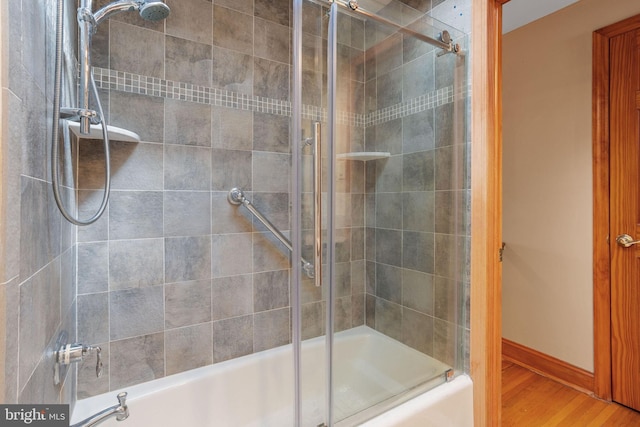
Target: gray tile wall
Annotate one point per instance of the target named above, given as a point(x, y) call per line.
point(417, 202)
point(174, 277)
point(349, 216)
point(37, 254)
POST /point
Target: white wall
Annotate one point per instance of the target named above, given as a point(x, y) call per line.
point(547, 279)
point(518, 13)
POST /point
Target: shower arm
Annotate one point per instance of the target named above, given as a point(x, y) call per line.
point(237, 197)
point(115, 7)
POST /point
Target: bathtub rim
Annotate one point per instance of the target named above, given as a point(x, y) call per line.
point(413, 411)
point(86, 407)
point(372, 412)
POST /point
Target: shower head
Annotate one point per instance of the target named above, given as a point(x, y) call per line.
point(149, 10)
point(154, 11)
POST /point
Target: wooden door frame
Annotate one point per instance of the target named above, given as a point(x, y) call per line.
point(601, 198)
point(486, 191)
point(486, 211)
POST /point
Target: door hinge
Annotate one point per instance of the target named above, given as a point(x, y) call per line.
point(501, 250)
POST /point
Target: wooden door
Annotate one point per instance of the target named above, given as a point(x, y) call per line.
point(624, 121)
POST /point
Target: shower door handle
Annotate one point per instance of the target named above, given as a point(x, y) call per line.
point(317, 202)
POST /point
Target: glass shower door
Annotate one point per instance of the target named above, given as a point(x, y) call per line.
point(399, 211)
point(310, 107)
point(388, 110)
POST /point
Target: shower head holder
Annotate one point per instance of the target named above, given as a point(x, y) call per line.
point(85, 15)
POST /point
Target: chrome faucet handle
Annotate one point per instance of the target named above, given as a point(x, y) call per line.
point(98, 350)
point(56, 373)
point(88, 349)
point(122, 398)
point(124, 409)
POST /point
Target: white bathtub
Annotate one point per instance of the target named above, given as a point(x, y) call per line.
point(257, 390)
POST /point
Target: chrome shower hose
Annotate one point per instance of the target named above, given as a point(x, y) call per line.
point(55, 148)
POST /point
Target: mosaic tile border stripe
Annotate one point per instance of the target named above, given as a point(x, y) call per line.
point(153, 86)
point(416, 105)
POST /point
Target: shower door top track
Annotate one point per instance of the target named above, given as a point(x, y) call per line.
point(446, 43)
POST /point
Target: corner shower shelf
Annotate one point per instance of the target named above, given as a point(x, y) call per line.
point(365, 155)
point(115, 133)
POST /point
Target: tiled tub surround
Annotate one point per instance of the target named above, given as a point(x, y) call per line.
point(174, 277)
point(37, 254)
point(417, 207)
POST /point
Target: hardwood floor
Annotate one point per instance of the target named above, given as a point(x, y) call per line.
point(529, 399)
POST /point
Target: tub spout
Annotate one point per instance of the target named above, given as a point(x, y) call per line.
point(120, 411)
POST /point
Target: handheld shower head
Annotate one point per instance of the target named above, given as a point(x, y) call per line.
point(88, 24)
point(154, 11)
point(149, 10)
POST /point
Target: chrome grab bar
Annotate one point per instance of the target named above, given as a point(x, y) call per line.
point(317, 205)
point(237, 197)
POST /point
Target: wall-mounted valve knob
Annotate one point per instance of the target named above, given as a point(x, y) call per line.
point(71, 353)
